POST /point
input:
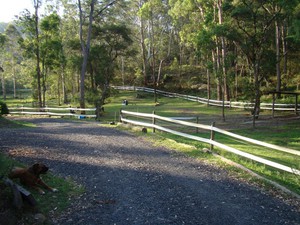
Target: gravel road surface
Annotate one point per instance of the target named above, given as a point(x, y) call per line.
point(128, 181)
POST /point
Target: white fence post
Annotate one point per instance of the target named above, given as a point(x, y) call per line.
point(153, 121)
point(120, 116)
point(197, 121)
point(212, 135)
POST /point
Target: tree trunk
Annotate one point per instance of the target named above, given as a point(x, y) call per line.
point(224, 53)
point(122, 70)
point(85, 49)
point(63, 85)
point(44, 89)
point(208, 83)
point(181, 54)
point(153, 51)
point(215, 72)
point(218, 66)
point(143, 48)
point(58, 90)
point(159, 71)
point(256, 109)
point(278, 72)
point(92, 76)
point(75, 84)
point(15, 86)
point(284, 48)
point(43, 85)
point(3, 86)
point(100, 102)
point(236, 73)
point(38, 69)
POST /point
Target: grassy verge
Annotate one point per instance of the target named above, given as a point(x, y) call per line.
point(58, 201)
point(286, 136)
point(5, 123)
point(50, 203)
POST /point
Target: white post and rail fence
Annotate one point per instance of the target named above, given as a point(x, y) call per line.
point(51, 111)
point(77, 112)
point(125, 115)
point(228, 104)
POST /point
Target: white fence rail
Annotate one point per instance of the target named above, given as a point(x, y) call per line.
point(211, 141)
point(73, 112)
point(212, 102)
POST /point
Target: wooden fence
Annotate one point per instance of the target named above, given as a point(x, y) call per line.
point(72, 112)
point(153, 117)
point(229, 104)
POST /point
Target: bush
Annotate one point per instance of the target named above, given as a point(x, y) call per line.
point(3, 108)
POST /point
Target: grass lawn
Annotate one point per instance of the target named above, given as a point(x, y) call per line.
point(282, 133)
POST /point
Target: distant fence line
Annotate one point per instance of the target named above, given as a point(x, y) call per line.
point(210, 141)
point(212, 102)
point(51, 111)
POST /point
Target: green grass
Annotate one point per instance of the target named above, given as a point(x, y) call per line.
point(5, 123)
point(50, 202)
point(11, 102)
point(170, 107)
point(286, 135)
point(194, 149)
point(54, 202)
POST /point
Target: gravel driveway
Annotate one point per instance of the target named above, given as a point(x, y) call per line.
point(145, 184)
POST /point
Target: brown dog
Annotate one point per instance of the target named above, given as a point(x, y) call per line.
point(31, 177)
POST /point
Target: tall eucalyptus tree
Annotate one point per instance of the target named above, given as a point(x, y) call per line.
point(86, 41)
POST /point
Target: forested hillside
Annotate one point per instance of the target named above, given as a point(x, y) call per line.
point(220, 49)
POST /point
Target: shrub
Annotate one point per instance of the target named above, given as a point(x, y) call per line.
point(3, 108)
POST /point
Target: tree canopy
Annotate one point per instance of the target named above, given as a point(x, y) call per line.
point(222, 49)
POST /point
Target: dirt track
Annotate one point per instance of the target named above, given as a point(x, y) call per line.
point(128, 181)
